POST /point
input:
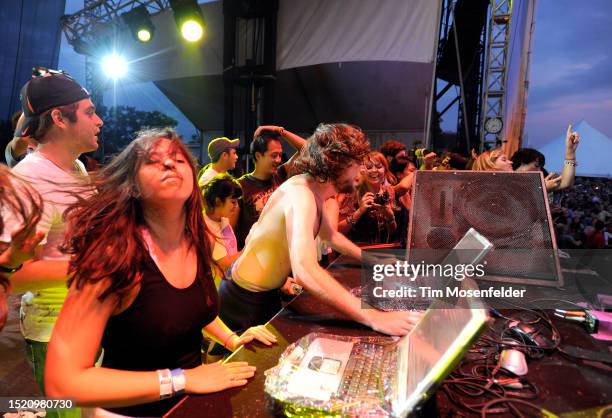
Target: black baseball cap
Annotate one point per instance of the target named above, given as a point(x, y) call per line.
point(43, 93)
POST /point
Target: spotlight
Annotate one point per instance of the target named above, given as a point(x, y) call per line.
point(144, 35)
point(114, 66)
point(189, 19)
point(139, 22)
point(192, 30)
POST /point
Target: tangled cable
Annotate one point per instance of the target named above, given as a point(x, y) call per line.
point(495, 390)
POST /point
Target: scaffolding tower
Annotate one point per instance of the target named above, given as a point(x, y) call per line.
point(494, 97)
point(460, 64)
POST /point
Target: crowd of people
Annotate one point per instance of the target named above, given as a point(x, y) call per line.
point(118, 266)
point(127, 269)
point(583, 215)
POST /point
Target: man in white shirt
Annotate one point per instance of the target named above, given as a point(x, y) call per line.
point(60, 116)
point(223, 157)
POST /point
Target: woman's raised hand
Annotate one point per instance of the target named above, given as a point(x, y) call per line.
point(572, 139)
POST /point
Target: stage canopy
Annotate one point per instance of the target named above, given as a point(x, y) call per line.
point(593, 154)
point(365, 62)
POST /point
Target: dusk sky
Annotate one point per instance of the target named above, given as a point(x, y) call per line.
point(570, 77)
point(571, 68)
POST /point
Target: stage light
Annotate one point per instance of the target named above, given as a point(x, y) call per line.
point(144, 35)
point(139, 23)
point(189, 19)
point(114, 66)
point(192, 30)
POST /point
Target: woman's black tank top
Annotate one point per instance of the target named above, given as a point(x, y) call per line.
point(161, 329)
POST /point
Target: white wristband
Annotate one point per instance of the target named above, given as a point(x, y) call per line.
point(178, 381)
point(165, 383)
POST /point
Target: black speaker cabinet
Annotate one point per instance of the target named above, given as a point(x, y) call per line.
point(510, 209)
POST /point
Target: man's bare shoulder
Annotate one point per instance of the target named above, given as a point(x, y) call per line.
point(299, 190)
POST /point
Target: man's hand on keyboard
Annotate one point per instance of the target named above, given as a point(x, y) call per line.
point(393, 323)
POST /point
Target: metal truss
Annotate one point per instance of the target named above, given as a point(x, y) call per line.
point(97, 19)
point(496, 70)
point(467, 97)
point(102, 16)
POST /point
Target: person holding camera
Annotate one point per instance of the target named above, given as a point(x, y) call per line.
point(369, 214)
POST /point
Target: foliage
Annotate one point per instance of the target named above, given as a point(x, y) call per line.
point(122, 122)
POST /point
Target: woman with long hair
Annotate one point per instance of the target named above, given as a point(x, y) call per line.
point(369, 214)
point(141, 289)
point(21, 202)
point(528, 159)
point(492, 160)
point(496, 160)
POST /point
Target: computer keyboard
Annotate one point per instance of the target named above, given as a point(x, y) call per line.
point(363, 371)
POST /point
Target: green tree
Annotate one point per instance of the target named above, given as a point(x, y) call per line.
point(122, 122)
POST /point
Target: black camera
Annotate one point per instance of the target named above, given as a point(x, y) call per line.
point(381, 198)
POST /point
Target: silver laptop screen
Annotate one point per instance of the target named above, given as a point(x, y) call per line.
point(434, 336)
point(443, 334)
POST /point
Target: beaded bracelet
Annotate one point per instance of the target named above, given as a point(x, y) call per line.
point(350, 219)
point(572, 163)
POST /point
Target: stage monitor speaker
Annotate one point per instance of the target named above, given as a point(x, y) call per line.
point(509, 209)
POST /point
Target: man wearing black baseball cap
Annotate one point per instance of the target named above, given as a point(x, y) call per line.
point(58, 113)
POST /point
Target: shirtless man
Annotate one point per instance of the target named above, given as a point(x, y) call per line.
point(283, 239)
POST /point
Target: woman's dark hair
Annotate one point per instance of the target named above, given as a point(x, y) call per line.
point(221, 186)
point(104, 230)
point(527, 156)
point(19, 201)
point(330, 150)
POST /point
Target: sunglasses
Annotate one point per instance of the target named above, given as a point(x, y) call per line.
point(46, 72)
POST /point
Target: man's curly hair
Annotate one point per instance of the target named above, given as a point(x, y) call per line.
point(330, 150)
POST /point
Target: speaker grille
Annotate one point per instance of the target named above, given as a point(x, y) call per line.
point(509, 209)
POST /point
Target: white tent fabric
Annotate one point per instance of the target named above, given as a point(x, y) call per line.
point(594, 154)
point(323, 31)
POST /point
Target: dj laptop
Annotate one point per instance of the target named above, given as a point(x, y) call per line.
point(330, 374)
